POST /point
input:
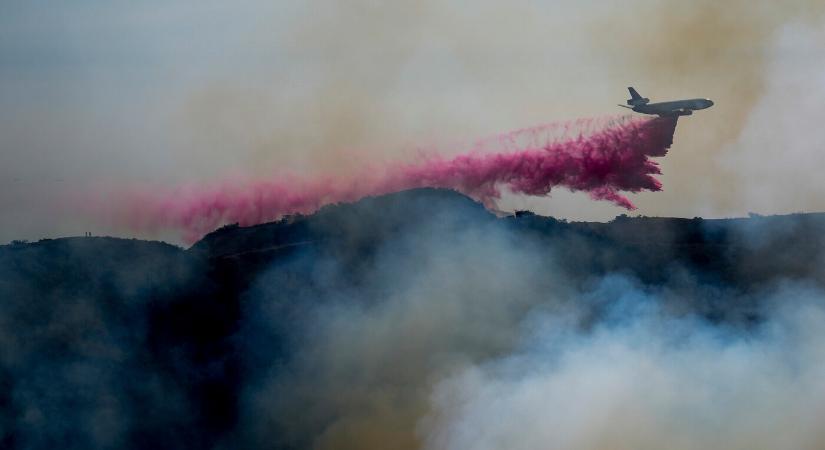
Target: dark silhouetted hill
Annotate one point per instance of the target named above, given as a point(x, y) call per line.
point(115, 343)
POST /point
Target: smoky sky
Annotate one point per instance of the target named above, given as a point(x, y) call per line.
point(102, 94)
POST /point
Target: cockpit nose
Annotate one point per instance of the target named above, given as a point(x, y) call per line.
point(708, 103)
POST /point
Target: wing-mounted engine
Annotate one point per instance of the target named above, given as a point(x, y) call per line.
point(676, 113)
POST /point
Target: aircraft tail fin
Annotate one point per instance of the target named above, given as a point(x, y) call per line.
point(635, 98)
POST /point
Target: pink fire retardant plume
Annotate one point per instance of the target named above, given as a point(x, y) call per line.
point(613, 159)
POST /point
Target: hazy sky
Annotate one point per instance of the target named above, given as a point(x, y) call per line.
point(97, 94)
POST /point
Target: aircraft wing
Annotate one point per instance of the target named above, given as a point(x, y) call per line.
point(675, 112)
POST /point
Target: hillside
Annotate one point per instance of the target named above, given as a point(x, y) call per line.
point(127, 343)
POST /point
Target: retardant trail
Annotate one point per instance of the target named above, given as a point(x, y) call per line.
point(603, 163)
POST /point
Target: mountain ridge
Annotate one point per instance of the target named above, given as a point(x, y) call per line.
point(179, 336)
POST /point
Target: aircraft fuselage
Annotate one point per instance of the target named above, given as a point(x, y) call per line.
point(674, 108)
point(665, 109)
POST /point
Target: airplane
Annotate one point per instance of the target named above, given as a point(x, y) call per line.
point(665, 109)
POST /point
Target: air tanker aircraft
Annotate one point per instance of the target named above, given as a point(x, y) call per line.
point(665, 109)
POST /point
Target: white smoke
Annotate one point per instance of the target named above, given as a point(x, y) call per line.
point(645, 381)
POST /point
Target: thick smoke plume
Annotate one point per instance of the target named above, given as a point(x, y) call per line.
point(604, 163)
point(479, 339)
point(644, 379)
